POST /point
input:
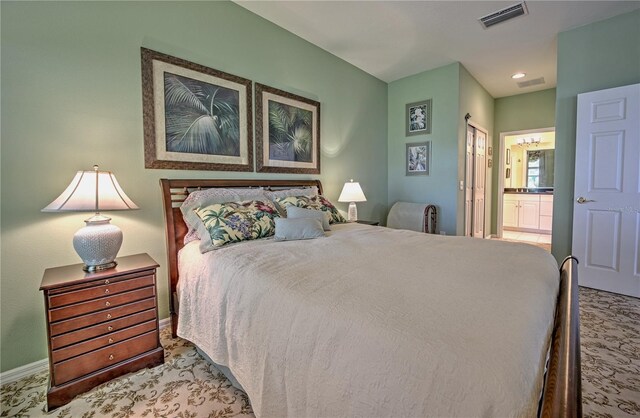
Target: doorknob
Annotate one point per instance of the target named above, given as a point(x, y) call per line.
point(582, 200)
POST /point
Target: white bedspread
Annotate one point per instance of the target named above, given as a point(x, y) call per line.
point(374, 322)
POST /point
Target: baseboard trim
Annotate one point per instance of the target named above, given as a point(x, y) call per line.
point(21, 372)
point(164, 323)
point(18, 373)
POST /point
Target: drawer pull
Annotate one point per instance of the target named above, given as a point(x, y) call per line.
point(107, 303)
point(110, 356)
point(110, 328)
point(108, 316)
point(106, 281)
point(106, 290)
point(110, 340)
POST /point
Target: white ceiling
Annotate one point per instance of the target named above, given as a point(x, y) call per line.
point(394, 39)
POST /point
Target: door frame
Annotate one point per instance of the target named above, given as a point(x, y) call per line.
point(501, 167)
point(477, 127)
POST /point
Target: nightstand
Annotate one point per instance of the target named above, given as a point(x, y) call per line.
point(100, 325)
point(374, 223)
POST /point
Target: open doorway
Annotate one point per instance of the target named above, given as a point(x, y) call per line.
point(525, 186)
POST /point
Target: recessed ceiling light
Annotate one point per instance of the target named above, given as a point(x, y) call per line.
point(518, 75)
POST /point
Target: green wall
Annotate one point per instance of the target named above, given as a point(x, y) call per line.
point(518, 113)
point(71, 98)
point(439, 187)
point(454, 93)
point(598, 56)
point(477, 102)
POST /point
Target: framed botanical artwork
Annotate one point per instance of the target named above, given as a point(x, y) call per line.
point(418, 158)
point(418, 118)
point(195, 117)
point(287, 132)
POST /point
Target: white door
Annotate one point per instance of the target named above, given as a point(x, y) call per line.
point(606, 208)
point(529, 215)
point(479, 179)
point(546, 212)
point(510, 213)
point(468, 183)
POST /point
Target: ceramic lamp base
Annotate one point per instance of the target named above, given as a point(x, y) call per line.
point(98, 243)
point(352, 215)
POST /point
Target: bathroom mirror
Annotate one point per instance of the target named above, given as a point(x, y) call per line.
point(540, 168)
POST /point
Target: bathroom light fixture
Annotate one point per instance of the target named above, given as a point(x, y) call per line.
point(524, 142)
point(352, 192)
point(99, 241)
point(518, 75)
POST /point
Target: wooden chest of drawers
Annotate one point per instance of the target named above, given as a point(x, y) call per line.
point(100, 325)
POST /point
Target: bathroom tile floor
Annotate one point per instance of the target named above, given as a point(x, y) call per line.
point(526, 237)
point(539, 240)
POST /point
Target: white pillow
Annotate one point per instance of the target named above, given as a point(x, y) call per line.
point(307, 191)
point(294, 212)
point(297, 229)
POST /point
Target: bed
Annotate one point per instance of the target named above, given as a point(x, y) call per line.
point(317, 328)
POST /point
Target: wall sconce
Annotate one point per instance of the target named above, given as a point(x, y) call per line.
point(525, 142)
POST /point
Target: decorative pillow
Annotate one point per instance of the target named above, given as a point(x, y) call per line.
point(223, 223)
point(295, 229)
point(278, 194)
point(202, 198)
point(294, 212)
point(315, 202)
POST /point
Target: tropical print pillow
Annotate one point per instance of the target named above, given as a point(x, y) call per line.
point(318, 202)
point(237, 221)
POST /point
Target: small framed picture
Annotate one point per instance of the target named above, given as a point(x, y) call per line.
point(418, 158)
point(418, 118)
point(508, 157)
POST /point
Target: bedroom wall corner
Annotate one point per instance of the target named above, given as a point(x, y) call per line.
point(476, 101)
point(439, 187)
point(597, 56)
point(517, 113)
point(71, 97)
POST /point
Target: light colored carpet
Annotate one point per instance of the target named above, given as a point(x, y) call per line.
point(186, 386)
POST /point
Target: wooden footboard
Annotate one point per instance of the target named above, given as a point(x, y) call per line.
point(562, 396)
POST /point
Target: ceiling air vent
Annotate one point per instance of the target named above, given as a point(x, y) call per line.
point(503, 15)
point(529, 83)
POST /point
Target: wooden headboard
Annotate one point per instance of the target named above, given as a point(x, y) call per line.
point(175, 191)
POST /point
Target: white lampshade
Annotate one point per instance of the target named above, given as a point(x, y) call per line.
point(92, 191)
point(99, 241)
point(352, 192)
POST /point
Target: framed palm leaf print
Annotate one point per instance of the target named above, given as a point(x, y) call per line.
point(195, 117)
point(287, 132)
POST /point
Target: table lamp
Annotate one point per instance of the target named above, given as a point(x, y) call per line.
point(352, 192)
point(99, 241)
